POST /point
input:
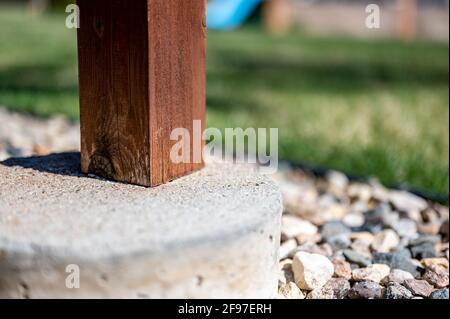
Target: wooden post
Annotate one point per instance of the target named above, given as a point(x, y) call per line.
point(36, 7)
point(407, 19)
point(141, 74)
point(277, 16)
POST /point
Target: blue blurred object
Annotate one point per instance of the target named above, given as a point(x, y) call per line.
point(229, 14)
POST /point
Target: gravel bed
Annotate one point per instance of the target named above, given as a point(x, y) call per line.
point(340, 239)
point(344, 239)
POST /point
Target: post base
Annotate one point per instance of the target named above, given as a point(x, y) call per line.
point(212, 234)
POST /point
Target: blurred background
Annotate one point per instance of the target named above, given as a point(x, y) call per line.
point(369, 102)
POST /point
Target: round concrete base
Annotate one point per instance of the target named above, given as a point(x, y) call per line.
point(213, 234)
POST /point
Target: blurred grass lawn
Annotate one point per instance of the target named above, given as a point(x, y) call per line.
point(365, 107)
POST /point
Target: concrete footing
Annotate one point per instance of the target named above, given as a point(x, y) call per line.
point(213, 234)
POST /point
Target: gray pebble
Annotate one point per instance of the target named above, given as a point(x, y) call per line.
point(339, 242)
point(397, 291)
point(440, 294)
point(425, 250)
point(334, 228)
point(354, 258)
point(398, 260)
point(424, 239)
point(366, 290)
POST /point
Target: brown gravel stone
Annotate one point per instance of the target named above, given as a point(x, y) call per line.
point(366, 290)
point(325, 292)
point(443, 262)
point(342, 269)
point(364, 236)
point(335, 288)
point(444, 230)
point(340, 287)
point(436, 276)
point(419, 288)
point(429, 228)
point(40, 150)
point(385, 241)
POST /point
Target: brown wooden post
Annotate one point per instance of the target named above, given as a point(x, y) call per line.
point(407, 19)
point(277, 16)
point(36, 7)
point(141, 74)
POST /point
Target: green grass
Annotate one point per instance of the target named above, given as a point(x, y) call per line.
point(365, 107)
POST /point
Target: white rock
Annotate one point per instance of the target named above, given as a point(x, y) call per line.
point(405, 201)
point(385, 241)
point(415, 215)
point(406, 228)
point(363, 192)
point(291, 191)
point(333, 212)
point(311, 271)
point(323, 249)
point(287, 247)
point(327, 200)
point(388, 216)
point(293, 226)
point(364, 236)
point(353, 220)
point(290, 291)
point(295, 193)
point(379, 192)
point(375, 273)
point(399, 276)
point(316, 238)
point(338, 181)
point(359, 207)
point(3, 155)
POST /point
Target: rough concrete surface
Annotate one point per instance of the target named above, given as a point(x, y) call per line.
point(212, 234)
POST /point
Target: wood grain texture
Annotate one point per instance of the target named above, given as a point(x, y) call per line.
point(141, 74)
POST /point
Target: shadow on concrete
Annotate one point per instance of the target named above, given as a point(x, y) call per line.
point(60, 163)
